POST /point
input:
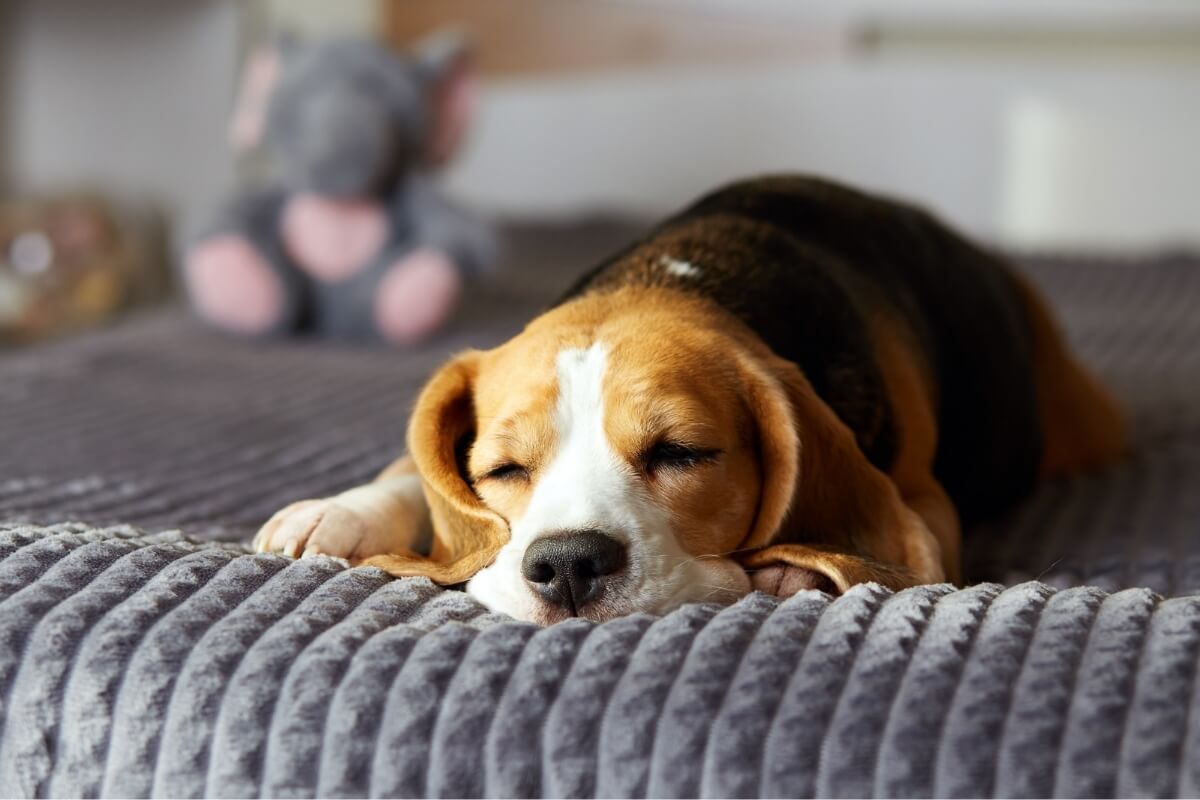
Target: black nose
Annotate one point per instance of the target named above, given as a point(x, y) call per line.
point(566, 569)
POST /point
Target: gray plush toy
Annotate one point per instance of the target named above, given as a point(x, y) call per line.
point(349, 238)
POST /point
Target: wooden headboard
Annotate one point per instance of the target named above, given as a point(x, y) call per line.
point(552, 36)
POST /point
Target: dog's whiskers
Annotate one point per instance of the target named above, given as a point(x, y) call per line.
point(703, 557)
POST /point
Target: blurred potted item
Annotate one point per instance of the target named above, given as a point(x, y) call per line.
point(349, 238)
point(68, 263)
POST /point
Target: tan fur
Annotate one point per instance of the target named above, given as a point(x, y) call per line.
point(467, 534)
point(844, 518)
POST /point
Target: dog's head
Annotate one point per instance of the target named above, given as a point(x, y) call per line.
point(636, 450)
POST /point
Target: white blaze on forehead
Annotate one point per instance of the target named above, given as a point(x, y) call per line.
point(679, 268)
point(586, 484)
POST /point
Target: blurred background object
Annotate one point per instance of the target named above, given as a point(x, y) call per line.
point(129, 98)
point(345, 235)
point(1051, 124)
point(70, 262)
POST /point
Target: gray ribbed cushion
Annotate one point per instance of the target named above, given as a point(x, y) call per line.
point(135, 664)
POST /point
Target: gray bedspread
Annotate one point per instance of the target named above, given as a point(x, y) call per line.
point(144, 661)
point(151, 666)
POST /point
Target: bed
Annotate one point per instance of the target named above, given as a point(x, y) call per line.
point(145, 651)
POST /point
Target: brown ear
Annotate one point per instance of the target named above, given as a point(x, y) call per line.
point(834, 511)
point(466, 534)
point(779, 448)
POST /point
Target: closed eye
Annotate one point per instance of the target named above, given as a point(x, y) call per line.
point(677, 456)
point(505, 472)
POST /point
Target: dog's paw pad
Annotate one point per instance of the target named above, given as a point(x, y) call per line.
point(785, 580)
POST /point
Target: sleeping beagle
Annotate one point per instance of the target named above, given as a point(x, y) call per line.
point(789, 385)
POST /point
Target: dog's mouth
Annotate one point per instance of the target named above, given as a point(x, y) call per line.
point(600, 610)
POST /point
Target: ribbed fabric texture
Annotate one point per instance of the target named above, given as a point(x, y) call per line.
point(136, 663)
point(151, 666)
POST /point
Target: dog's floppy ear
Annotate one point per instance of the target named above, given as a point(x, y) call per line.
point(778, 439)
point(466, 534)
point(823, 506)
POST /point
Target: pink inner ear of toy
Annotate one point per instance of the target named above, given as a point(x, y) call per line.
point(332, 239)
point(453, 104)
point(259, 78)
point(784, 580)
point(416, 295)
point(232, 286)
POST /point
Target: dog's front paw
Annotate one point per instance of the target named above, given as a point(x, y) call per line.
point(785, 580)
point(335, 526)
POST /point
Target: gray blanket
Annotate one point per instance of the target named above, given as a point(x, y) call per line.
point(151, 666)
point(134, 662)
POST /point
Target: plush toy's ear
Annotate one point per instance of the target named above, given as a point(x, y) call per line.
point(260, 76)
point(443, 61)
point(824, 507)
point(466, 534)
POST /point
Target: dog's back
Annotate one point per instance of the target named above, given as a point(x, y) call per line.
point(810, 266)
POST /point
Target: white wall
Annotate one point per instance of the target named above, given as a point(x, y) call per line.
point(1104, 173)
point(1075, 126)
point(649, 142)
point(131, 96)
point(936, 106)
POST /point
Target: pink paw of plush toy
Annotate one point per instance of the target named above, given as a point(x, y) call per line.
point(350, 239)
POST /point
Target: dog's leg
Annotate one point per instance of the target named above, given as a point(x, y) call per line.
point(910, 393)
point(386, 516)
point(929, 501)
point(1082, 426)
point(784, 569)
